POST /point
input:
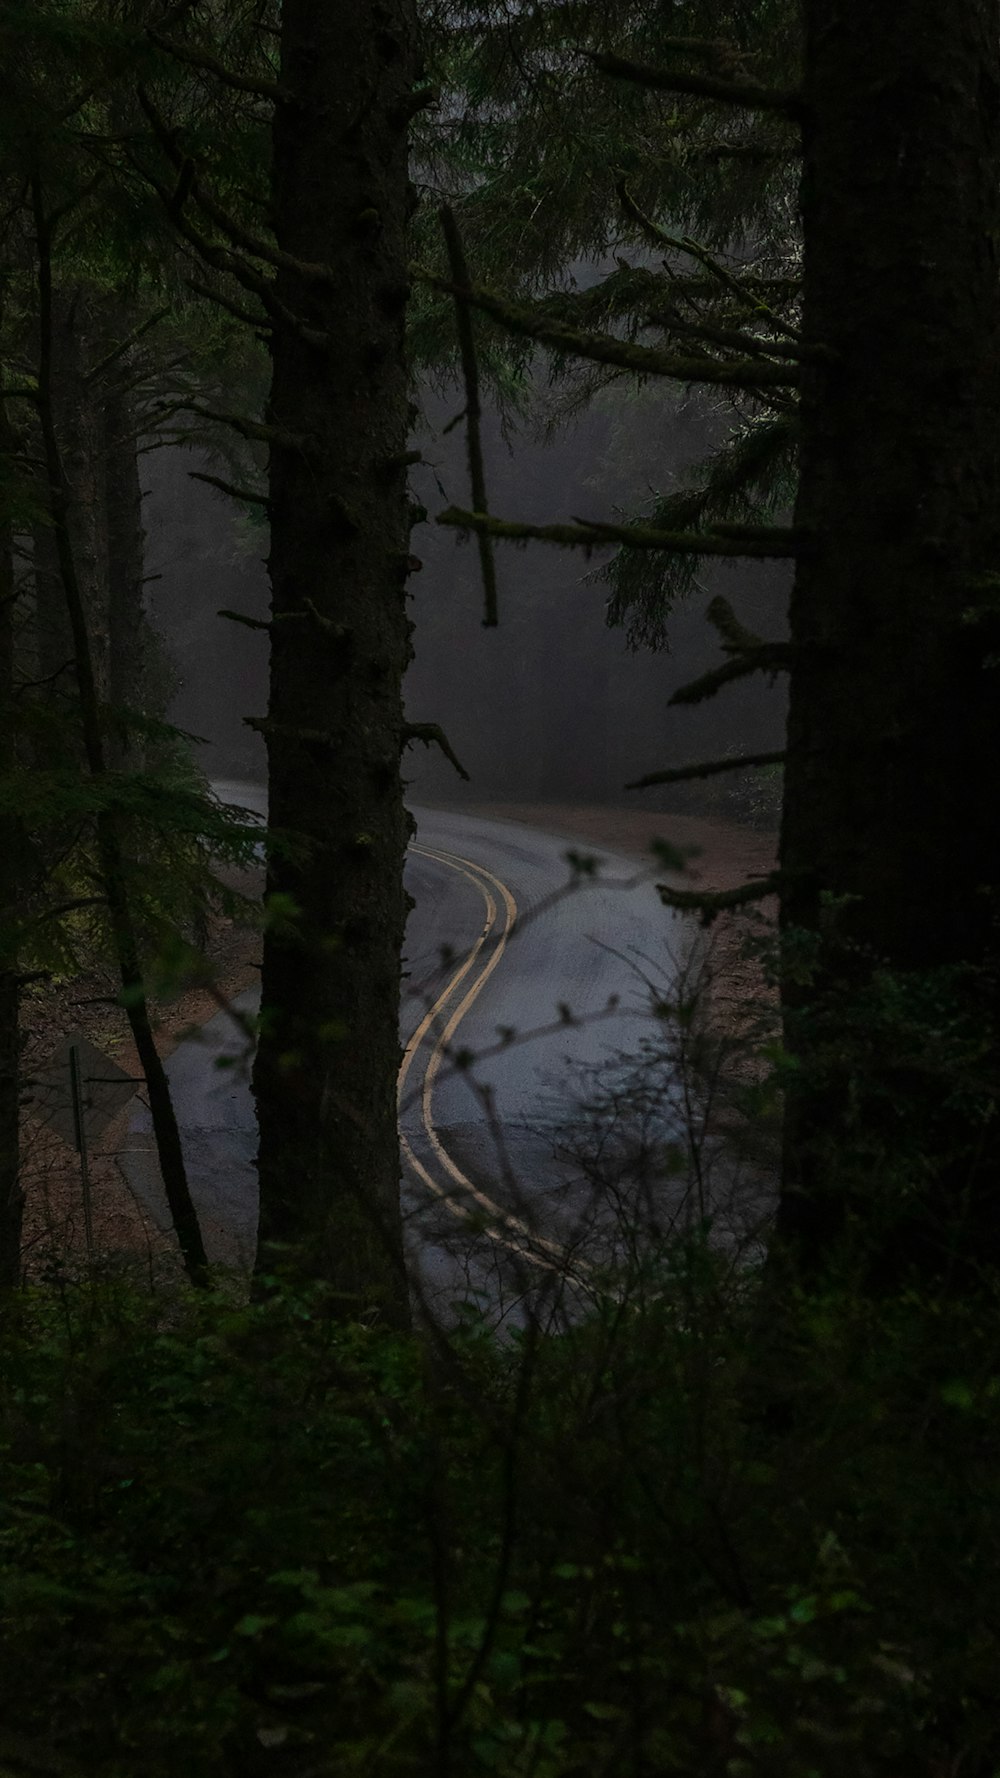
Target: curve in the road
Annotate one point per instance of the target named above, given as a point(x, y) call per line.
point(504, 1227)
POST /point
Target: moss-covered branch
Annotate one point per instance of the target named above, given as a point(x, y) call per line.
point(748, 94)
point(473, 409)
point(431, 734)
point(748, 373)
point(709, 768)
point(764, 542)
point(710, 903)
point(214, 481)
point(770, 657)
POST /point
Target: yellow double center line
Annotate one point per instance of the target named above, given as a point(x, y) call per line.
point(502, 1225)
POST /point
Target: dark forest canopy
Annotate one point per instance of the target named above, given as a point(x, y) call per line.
point(693, 1509)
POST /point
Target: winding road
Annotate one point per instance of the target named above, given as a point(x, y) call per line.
point(527, 982)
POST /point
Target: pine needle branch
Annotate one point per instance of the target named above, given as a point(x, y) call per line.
point(200, 58)
point(747, 295)
point(124, 346)
point(602, 348)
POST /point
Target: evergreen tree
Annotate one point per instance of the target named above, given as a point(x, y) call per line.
point(888, 874)
point(329, 1042)
point(889, 857)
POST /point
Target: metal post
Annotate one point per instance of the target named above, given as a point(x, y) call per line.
point(79, 1126)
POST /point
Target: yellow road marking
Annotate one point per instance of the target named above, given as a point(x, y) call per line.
point(475, 873)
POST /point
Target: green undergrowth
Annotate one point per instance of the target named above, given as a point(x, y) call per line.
point(244, 1540)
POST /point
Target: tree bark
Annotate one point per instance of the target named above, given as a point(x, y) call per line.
point(11, 847)
point(329, 1042)
point(892, 857)
point(125, 548)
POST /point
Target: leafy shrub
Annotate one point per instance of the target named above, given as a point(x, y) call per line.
point(682, 1536)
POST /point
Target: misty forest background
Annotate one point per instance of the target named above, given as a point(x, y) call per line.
point(625, 379)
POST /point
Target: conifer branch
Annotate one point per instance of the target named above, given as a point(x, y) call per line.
point(684, 244)
point(734, 636)
point(433, 735)
point(766, 543)
point(604, 348)
point(745, 93)
point(200, 58)
point(473, 411)
point(707, 769)
point(230, 488)
point(770, 657)
point(710, 903)
point(189, 186)
point(240, 617)
point(250, 429)
point(259, 323)
point(104, 364)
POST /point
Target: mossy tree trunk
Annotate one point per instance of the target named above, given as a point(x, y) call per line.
point(329, 1042)
point(890, 843)
point(11, 847)
point(128, 628)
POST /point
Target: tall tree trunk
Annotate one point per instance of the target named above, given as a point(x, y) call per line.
point(65, 502)
point(329, 1044)
point(11, 847)
point(891, 853)
point(77, 340)
point(125, 546)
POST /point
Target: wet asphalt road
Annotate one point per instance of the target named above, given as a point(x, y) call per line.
point(527, 979)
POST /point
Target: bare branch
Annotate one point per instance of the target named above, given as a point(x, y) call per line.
point(473, 410)
point(433, 735)
point(764, 543)
point(230, 488)
point(770, 657)
point(240, 617)
point(707, 769)
point(750, 295)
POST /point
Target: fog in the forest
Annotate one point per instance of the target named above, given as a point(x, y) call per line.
point(552, 706)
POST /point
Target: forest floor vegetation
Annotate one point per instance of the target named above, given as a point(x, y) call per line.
point(241, 1540)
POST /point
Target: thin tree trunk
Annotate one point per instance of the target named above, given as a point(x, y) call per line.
point(329, 1043)
point(891, 853)
point(111, 856)
point(11, 1196)
point(125, 545)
